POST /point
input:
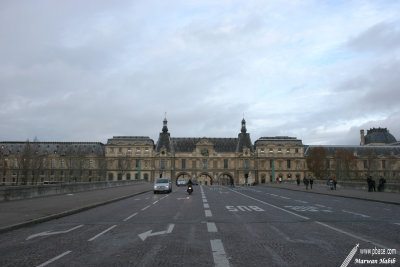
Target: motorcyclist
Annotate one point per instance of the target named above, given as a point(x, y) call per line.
point(190, 185)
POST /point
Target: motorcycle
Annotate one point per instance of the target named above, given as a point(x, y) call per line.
point(190, 189)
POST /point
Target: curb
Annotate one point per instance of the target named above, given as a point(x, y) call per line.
point(353, 197)
point(66, 213)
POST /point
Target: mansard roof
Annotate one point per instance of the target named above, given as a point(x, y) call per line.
point(379, 136)
point(61, 148)
point(280, 140)
point(358, 150)
point(130, 140)
point(188, 144)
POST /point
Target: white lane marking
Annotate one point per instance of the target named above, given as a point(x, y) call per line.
point(355, 213)
point(303, 217)
point(204, 200)
point(211, 227)
point(318, 205)
point(208, 213)
point(137, 199)
point(323, 224)
point(105, 231)
point(54, 259)
point(351, 235)
point(301, 201)
point(397, 223)
point(155, 202)
point(145, 208)
point(219, 254)
point(127, 218)
point(145, 235)
point(53, 233)
point(284, 197)
point(206, 206)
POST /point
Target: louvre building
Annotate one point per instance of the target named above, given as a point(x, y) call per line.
point(208, 160)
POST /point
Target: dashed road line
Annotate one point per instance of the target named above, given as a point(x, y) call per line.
point(208, 213)
point(206, 206)
point(145, 208)
point(54, 259)
point(357, 214)
point(133, 215)
point(219, 254)
point(211, 227)
point(105, 231)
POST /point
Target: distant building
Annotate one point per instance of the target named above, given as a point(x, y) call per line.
point(208, 160)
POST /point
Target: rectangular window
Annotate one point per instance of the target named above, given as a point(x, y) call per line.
point(215, 164)
point(271, 150)
point(53, 163)
point(194, 164)
point(183, 164)
point(120, 150)
point(262, 150)
point(328, 164)
point(162, 163)
point(225, 164)
point(62, 163)
point(383, 164)
point(296, 150)
point(138, 163)
point(138, 149)
point(146, 149)
point(365, 164)
point(246, 163)
point(288, 150)
point(279, 150)
point(129, 150)
point(288, 163)
point(204, 164)
point(90, 163)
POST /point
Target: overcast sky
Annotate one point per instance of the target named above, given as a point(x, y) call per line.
point(89, 70)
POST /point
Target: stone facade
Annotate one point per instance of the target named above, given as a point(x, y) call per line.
point(207, 160)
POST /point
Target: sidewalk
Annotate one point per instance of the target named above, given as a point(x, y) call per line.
point(392, 198)
point(19, 213)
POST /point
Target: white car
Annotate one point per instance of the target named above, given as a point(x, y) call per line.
point(162, 185)
point(181, 182)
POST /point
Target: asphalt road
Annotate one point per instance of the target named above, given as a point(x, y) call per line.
point(215, 226)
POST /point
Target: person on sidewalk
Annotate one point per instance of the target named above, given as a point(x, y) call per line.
point(311, 182)
point(334, 182)
point(298, 181)
point(381, 185)
point(306, 182)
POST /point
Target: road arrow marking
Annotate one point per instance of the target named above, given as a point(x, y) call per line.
point(53, 233)
point(145, 235)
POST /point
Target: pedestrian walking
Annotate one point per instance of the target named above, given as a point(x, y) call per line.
point(311, 182)
point(334, 182)
point(298, 181)
point(306, 182)
point(369, 182)
point(381, 185)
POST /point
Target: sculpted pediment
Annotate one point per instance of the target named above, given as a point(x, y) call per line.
point(204, 142)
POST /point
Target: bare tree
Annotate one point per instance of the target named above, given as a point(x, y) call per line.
point(344, 163)
point(316, 161)
point(124, 164)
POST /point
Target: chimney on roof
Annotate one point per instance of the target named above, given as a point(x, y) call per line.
point(362, 143)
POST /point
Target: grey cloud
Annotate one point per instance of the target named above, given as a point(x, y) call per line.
point(381, 37)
